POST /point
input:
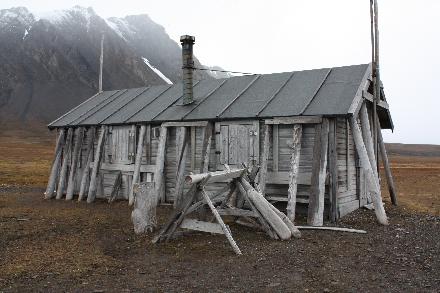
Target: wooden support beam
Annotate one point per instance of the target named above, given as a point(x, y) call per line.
point(264, 158)
point(63, 173)
point(193, 148)
point(147, 142)
point(266, 211)
point(368, 140)
point(55, 166)
point(96, 166)
point(369, 175)
point(160, 164)
point(294, 170)
point(214, 176)
point(317, 190)
point(386, 165)
point(86, 169)
point(181, 154)
point(295, 120)
point(333, 169)
point(137, 165)
point(75, 160)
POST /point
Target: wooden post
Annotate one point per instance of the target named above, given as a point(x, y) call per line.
point(366, 135)
point(294, 168)
point(377, 74)
point(204, 164)
point(74, 163)
point(275, 148)
point(317, 189)
point(137, 165)
point(182, 150)
point(144, 213)
point(66, 154)
point(386, 165)
point(86, 167)
point(263, 159)
point(369, 175)
point(55, 165)
point(96, 166)
point(160, 163)
point(333, 169)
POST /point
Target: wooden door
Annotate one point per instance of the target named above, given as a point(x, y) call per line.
point(237, 143)
point(123, 141)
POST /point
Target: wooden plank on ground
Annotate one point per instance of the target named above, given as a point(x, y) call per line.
point(194, 224)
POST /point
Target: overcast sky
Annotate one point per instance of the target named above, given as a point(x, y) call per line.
point(278, 36)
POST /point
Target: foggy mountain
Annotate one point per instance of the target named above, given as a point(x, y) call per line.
point(49, 62)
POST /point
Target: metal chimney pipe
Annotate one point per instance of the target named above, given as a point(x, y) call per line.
point(187, 67)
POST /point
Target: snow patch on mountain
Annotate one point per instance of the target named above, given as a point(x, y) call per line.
point(57, 17)
point(157, 71)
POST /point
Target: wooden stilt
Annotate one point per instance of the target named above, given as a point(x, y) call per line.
point(294, 170)
point(368, 140)
point(55, 165)
point(74, 163)
point(264, 158)
point(86, 168)
point(204, 164)
point(333, 170)
point(369, 174)
point(160, 163)
point(63, 172)
point(96, 166)
point(386, 165)
point(137, 165)
point(182, 150)
point(317, 189)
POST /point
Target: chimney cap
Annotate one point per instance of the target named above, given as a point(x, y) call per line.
point(187, 38)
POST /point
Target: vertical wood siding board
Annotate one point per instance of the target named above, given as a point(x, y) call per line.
point(218, 144)
point(206, 147)
point(232, 147)
point(316, 202)
point(137, 166)
point(224, 144)
point(193, 148)
point(372, 183)
point(89, 158)
point(160, 162)
point(333, 170)
point(75, 161)
point(265, 140)
point(96, 165)
point(181, 165)
point(55, 163)
point(275, 141)
point(63, 171)
point(294, 171)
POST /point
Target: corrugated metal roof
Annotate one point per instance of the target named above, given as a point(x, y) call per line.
point(327, 92)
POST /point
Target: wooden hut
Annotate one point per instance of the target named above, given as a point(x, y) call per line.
point(299, 127)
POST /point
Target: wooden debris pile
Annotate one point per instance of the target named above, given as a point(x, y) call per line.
point(250, 209)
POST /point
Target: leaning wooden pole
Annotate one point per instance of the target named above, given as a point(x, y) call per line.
point(377, 72)
point(315, 215)
point(369, 175)
point(63, 172)
point(294, 172)
point(366, 135)
point(386, 165)
point(181, 155)
point(74, 164)
point(96, 166)
point(86, 167)
point(55, 166)
point(263, 159)
point(137, 164)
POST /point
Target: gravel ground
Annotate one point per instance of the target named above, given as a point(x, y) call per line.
point(59, 246)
